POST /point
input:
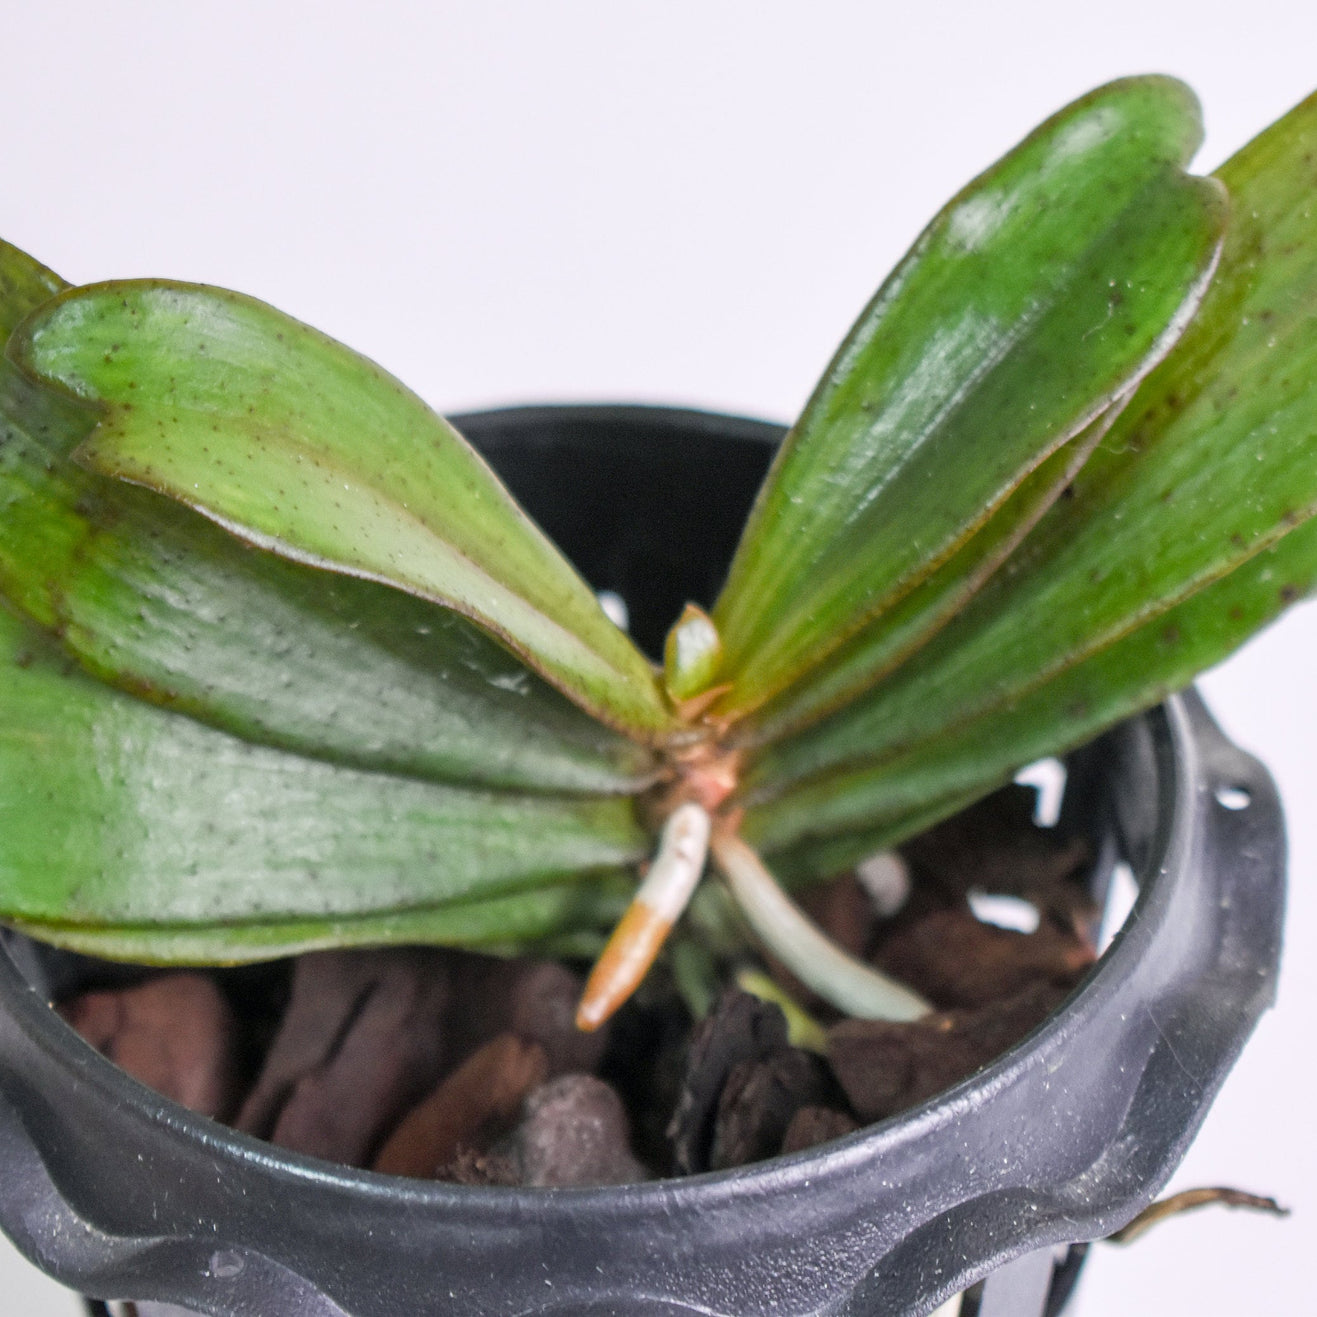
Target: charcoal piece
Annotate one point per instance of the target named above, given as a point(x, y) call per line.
point(361, 1042)
point(471, 1107)
point(741, 1028)
point(646, 1065)
point(757, 1104)
point(536, 999)
point(955, 960)
point(885, 1067)
point(996, 846)
point(174, 1033)
point(811, 1126)
point(574, 1131)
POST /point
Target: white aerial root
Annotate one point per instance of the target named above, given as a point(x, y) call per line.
point(847, 983)
point(785, 930)
point(657, 905)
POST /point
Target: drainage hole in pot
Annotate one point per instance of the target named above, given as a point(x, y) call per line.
point(1004, 911)
point(1122, 892)
point(1233, 797)
point(615, 608)
point(1047, 777)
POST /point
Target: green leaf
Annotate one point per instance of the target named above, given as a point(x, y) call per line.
point(1214, 462)
point(826, 824)
point(24, 285)
point(1030, 304)
point(123, 825)
point(154, 599)
point(302, 447)
point(691, 654)
point(883, 646)
point(563, 917)
point(804, 858)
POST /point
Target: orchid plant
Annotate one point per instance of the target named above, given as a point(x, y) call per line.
point(289, 668)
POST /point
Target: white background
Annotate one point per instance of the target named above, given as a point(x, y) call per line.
point(681, 203)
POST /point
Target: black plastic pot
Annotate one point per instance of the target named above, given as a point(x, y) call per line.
point(122, 1194)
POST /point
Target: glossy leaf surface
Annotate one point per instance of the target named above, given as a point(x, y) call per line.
point(24, 285)
point(116, 815)
point(161, 602)
point(303, 447)
point(828, 824)
point(884, 645)
point(1204, 484)
point(1033, 301)
point(568, 917)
